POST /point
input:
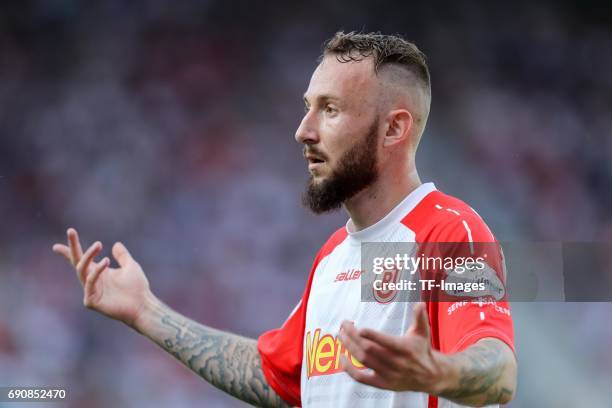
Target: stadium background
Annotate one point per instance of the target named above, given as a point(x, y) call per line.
point(169, 126)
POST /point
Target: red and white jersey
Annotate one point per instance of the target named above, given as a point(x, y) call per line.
point(301, 359)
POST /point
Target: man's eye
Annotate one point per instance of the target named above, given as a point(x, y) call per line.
point(306, 109)
point(329, 109)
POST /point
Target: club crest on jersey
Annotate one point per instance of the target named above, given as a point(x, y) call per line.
point(387, 276)
point(323, 354)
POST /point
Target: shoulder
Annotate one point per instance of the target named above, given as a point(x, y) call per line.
point(332, 242)
point(440, 217)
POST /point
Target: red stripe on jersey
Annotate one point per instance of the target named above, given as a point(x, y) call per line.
point(282, 349)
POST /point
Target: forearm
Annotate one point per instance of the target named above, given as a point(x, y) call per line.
point(484, 373)
point(227, 361)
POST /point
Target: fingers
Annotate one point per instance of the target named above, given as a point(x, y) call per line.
point(92, 278)
point(76, 252)
point(62, 250)
point(121, 254)
point(367, 377)
point(420, 325)
point(86, 259)
point(370, 353)
point(385, 340)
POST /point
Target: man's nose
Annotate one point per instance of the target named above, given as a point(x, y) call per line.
point(307, 132)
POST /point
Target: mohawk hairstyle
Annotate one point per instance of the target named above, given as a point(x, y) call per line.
point(385, 49)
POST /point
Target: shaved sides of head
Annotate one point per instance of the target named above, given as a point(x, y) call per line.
point(399, 65)
point(402, 88)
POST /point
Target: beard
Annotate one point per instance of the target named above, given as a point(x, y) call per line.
point(356, 170)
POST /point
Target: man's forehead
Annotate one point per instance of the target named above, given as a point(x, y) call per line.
point(335, 78)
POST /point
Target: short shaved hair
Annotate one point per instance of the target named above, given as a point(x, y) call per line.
point(385, 50)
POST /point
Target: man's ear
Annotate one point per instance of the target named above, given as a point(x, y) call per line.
point(399, 126)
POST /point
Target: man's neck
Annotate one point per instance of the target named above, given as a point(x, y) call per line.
point(371, 205)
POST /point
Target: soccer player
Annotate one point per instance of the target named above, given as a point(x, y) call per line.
point(365, 110)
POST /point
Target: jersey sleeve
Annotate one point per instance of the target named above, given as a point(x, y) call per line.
point(459, 321)
point(281, 349)
point(281, 355)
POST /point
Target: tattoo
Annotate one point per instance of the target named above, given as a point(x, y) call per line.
point(484, 374)
point(229, 362)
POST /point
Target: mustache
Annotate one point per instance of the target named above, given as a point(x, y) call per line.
point(312, 151)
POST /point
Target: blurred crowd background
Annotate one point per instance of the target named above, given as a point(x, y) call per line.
point(170, 126)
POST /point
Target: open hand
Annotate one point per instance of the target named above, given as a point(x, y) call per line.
point(398, 363)
point(119, 293)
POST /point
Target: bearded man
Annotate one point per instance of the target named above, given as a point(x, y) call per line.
point(365, 111)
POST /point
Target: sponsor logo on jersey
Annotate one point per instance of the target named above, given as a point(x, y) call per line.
point(323, 354)
point(489, 284)
point(351, 274)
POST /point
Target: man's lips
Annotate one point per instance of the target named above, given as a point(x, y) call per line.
point(313, 166)
point(312, 159)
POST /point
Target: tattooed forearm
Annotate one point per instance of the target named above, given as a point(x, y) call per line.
point(227, 361)
point(486, 374)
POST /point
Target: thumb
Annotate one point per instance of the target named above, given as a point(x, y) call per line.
point(121, 254)
point(420, 324)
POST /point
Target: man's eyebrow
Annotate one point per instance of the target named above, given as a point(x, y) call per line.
point(324, 98)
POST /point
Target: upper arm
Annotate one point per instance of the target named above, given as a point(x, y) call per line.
point(459, 321)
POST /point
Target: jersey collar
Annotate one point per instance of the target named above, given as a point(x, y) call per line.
point(393, 217)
